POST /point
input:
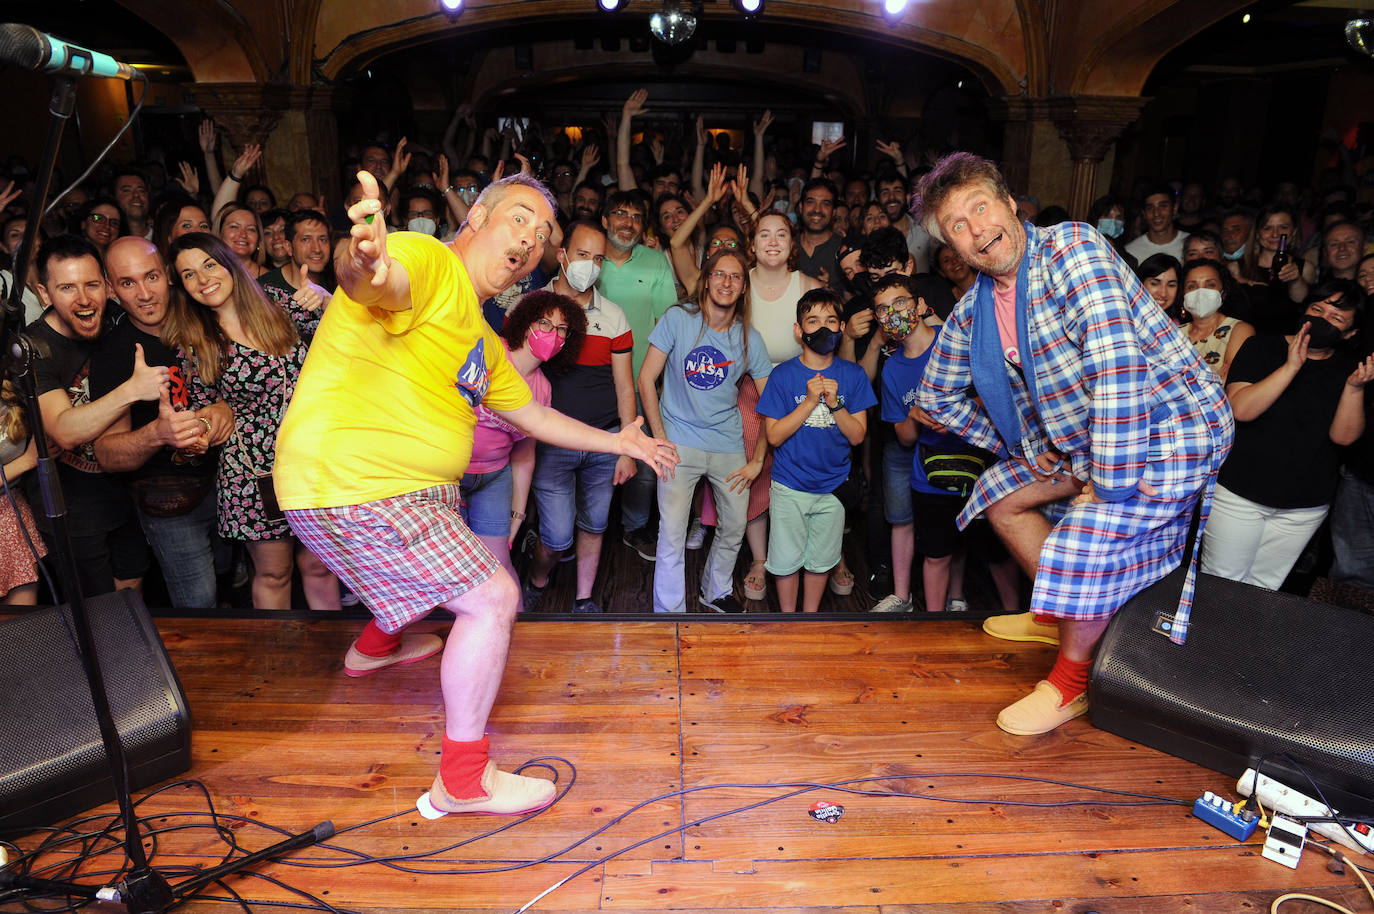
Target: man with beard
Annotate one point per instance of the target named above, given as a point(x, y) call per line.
point(893, 197)
point(819, 243)
point(131, 192)
point(1109, 425)
point(168, 449)
point(640, 281)
point(586, 202)
point(380, 430)
point(106, 544)
point(1161, 235)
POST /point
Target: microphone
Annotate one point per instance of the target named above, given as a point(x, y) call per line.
point(25, 46)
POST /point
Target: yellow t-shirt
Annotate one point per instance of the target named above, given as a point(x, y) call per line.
point(385, 403)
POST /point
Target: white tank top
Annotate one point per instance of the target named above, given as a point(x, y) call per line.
point(774, 318)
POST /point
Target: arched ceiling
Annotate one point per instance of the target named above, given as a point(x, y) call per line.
point(1036, 48)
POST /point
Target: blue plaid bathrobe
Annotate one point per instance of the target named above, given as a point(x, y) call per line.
point(1110, 383)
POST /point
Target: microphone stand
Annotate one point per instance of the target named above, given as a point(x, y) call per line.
point(143, 889)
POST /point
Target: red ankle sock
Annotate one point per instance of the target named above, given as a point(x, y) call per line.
point(1070, 677)
point(461, 766)
point(1044, 619)
point(376, 643)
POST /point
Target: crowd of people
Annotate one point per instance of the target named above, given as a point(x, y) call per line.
point(769, 310)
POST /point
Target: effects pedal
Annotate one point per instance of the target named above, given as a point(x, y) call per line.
point(1221, 813)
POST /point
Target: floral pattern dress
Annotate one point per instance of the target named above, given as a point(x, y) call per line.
point(258, 387)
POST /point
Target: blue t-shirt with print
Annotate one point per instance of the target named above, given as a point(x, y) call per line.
point(700, 402)
point(901, 377)
point(815, 459)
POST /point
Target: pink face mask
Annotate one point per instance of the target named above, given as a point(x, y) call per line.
point(544, 344)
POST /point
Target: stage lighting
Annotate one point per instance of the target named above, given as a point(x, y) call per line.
point(749, 8)
point(452, 7)
point(672, 24)
point(894, 8)
point(610, 6)
point(1359, 33)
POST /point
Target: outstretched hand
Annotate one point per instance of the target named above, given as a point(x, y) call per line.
point(660, 455)
point(367, 238)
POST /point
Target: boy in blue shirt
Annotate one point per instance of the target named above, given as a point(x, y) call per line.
point(813, 409)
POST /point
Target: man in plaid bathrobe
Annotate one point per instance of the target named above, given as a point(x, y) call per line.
point(1109, 426)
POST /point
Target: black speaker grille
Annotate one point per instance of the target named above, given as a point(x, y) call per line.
point(1261, 672)
point(50, 744)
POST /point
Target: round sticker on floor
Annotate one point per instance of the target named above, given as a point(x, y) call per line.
point(825, 812)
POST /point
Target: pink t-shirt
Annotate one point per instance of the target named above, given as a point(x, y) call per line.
point(494, 437)
point(1004, 301)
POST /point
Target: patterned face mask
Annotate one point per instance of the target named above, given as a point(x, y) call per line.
point(897, 318)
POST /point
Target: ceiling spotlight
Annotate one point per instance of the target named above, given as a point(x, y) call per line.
point(672, 24)
point(610, 6)
point(749, 8)
point(1245, 20)
point(894, 8)
point(452, 7)
point(1359, 33)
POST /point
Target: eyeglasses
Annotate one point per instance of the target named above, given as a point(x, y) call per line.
point(562, 174)
point(98, 218)
point(549, 326)
point(722, 276)
point(724, 243)
point(627, 214)
point(897, 304)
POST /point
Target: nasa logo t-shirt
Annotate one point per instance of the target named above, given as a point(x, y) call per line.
point(701, 377)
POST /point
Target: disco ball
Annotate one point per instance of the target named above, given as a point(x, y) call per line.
point(672, 24)
point(1359, 33)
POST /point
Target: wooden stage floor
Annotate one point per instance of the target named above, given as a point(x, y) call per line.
point(682, 717)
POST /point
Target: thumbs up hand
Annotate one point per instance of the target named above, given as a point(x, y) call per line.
point(147, 381)
point(180, 430)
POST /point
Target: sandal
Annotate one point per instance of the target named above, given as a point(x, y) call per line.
point(841, 581)
point(756, 582)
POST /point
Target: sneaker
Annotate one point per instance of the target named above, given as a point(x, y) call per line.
point(1041, 711)
point(892, 604)
point(725, 604)
point(642, 542)
point(696, 535)
point(956, 605)
point(880, 582)
point(587, 605)
point(1021, 627)
point(531, 596)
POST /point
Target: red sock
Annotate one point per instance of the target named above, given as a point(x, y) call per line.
point(1044, 619)
point(1070, 677)
point(461, 766)
point(376, 643)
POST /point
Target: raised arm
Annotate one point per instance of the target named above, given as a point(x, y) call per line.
point(1349, 422)
point(364, 269)
point(1250, 400)
point(207, 138)
point(760, 128)
point(633, 105)
point(229, 190)
point(71, 426)
point(680, 245)
point(699, 158)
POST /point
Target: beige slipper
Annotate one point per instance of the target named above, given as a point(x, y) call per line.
point(1041, 711)
point(504, 794)
point(413, 647)
point(1021, 627)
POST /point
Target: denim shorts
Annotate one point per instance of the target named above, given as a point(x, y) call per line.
point(897, 483)
point(571, 487)
point(487, 500)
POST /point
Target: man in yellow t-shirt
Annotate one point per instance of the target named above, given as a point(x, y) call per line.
point(378, 434)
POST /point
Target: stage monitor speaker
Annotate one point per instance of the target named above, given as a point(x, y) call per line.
point(1261, 672)
point(52, 760)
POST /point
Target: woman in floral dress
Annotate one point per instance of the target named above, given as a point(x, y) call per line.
point(250, 351)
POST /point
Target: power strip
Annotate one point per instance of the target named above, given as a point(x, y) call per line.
point(1282, 798)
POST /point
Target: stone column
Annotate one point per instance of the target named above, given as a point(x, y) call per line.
point(1089, 125)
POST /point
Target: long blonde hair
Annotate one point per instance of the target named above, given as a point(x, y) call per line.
point(193, 326)
point(12, 416)
point(743, 308)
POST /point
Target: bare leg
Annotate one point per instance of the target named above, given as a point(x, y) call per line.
point(957, 563)
point(1020, 524)
point(903, 550)
point(23, 595)
point(542, 563)
point(1006, 577)
point(498, 548)
point(271, 573)
point(787, 591)
point(1078, 638)
point(756, 534)
point(935, 583)
point(319, 583)
point(475, 655)
point(814, 590)
point(588, 558)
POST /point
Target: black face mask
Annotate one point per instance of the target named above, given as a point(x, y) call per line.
point(1323, 334)
point(862, 283)
point(822, 340)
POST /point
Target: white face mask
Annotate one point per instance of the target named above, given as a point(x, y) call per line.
point(1202, 303)
point(468, 194)
point(582, 274)
point(422, 224)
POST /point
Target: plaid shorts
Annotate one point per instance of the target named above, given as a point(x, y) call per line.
point(402, 556)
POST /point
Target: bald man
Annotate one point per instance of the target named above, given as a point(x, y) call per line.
point(169, 448)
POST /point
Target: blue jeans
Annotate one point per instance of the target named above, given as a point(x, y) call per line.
point(486, 501)
point(637, 493)
point(674, 507)
point(185, 548)
point(571, 487)
point(1352, 522)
